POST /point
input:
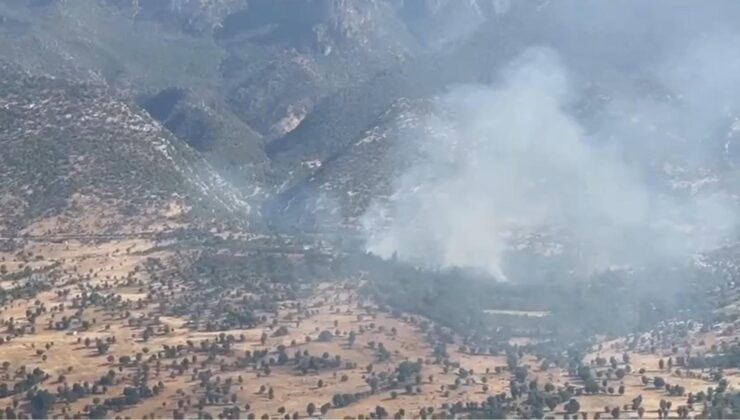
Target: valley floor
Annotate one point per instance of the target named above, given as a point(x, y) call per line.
point(93, 317)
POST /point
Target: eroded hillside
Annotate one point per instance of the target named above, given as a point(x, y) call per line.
point(79, 159)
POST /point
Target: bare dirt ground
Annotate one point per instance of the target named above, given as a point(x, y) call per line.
point(68, 360)
point(69, 355)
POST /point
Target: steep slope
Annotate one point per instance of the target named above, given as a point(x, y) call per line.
point(342, 188)
point(77, 159)
point(106, 42)
point(341, 118)
point(344, 153)
point(205, 123)
point(350, 148)
point(250, 70)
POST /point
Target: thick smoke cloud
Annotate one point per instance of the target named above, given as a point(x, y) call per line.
point(607, 175)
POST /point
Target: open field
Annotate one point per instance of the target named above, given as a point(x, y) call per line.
point(97, 319)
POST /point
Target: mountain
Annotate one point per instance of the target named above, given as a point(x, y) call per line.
point(234, 78)
point(201, 198)
point(224, 76)
point(351, 149)
point(315, 110)
point(80, 159)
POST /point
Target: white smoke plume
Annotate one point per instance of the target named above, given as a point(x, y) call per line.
point(506, 161)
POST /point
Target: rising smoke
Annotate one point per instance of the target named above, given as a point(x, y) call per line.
point(611, 176)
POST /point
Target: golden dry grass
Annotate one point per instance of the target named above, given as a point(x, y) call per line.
point(110, 264)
